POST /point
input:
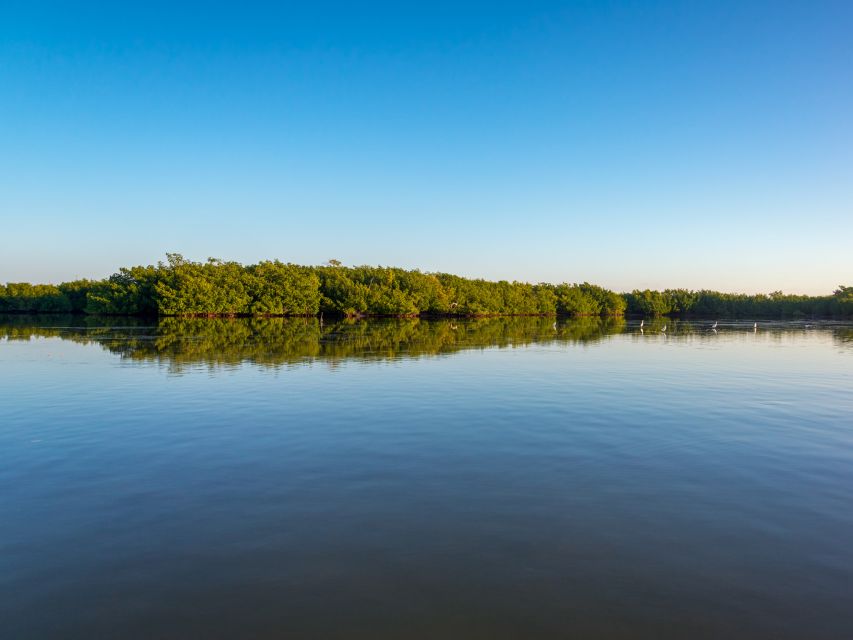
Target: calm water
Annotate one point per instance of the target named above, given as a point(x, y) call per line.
point(489, 479)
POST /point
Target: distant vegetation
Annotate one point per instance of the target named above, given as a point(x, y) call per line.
point(713, 304)
point(180, 287)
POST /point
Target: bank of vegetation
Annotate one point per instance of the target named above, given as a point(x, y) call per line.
point(180, 287)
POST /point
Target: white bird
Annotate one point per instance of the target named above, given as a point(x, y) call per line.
point(664, 329)
point(755, 326)
point(714, 326)
point(642, 322)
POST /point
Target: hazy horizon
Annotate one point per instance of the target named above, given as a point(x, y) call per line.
point(415, 267)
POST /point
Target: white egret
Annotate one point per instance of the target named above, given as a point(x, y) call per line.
point(664, 329)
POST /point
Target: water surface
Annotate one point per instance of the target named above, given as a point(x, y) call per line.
point(498, 478)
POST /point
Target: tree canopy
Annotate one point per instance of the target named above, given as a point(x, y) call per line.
point(179, 287)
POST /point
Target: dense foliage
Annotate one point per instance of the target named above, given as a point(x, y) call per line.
point(713, 304)
point(180, 287)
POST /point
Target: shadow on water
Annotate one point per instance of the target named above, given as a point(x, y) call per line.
point(274, 342)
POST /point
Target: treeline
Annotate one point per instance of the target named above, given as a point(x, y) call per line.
point(713, 304)
point(215, 288)
point(180, 287)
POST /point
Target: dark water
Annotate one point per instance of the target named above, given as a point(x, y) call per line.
point(488, 479)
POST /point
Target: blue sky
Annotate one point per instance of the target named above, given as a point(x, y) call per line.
point(630, 144)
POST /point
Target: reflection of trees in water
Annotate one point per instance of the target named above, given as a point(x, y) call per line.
point(275, 341)
point(281, 341)
point(181, 342)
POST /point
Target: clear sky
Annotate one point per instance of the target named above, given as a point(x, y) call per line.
point(630, 144)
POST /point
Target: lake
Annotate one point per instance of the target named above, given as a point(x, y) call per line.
point(493, 478)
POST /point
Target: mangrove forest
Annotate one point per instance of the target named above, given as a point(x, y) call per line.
point(180, 287)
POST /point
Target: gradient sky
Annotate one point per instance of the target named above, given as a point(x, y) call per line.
point(630, 144)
